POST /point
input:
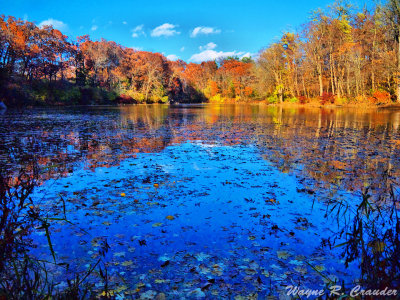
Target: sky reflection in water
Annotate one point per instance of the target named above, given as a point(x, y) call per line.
point(245, 185)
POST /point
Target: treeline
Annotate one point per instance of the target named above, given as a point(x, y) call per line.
point(339, 56)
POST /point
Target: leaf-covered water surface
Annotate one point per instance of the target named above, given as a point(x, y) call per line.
point(202, 201)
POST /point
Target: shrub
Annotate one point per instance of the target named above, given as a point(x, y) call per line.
point(164, 99)
point(360, 99)
point(341, 100)
point(327, 98)
point(68, 96)
point(294, 100)
point(125, 99)
point(248, 91)
point(273, 99)
point(303, 99)
point(380, 97)
point(216, 98)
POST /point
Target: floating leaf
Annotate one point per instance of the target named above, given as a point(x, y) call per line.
point(320, 268)
point(170, 217)
point(123, 194)
point(296, 262)
point(202, 256)
point(127, 263)
point(157, 224)
point(282, 254)
point(159, 281)
point(301, 270)
point(119, 254)
point(250, 271)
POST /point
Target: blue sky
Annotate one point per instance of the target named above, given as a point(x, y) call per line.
point(190, 30)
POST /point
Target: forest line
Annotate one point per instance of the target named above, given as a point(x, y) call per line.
point(340, 56)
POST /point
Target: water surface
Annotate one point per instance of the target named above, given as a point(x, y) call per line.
point(206, 200)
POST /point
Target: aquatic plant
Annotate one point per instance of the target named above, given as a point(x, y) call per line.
point(371, 231)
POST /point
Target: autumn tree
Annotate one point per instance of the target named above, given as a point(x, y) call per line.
point(393, 16)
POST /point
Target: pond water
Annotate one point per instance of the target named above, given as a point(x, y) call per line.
point(201, 201)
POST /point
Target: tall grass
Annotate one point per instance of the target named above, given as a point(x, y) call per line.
point(371, 230)
point(22, 275)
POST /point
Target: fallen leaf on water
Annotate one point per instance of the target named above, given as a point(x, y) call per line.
point(320, 268)
point(156, 185)
point(157, 224)
point(296, 262)
point(197, 293)
point(202, 256)
point(282, 254)
point(121, 288)
point(127, 263)
point(170, 218)
point(250, 271)
point(148, 295)
point(161, 281)
point(119, 254)
point(123, 194)
point(301, 270)
point(266, 273)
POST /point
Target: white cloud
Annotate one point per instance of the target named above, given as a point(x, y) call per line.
point(208, 55)
point(124, 22)
point(137, 31)
point(209, 46)
point(204, 30)
point(55, 23)
point(137, 48)
point(182, 49)
point(94, 28)
point(172, 57)
point(165, 30)
point(247, 54)
point(138, 28)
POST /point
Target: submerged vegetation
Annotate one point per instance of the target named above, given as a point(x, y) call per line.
point(341, 56)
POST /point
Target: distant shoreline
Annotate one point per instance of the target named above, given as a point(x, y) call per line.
point(261, 103)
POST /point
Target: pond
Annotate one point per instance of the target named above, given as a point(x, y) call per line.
point(216, 201)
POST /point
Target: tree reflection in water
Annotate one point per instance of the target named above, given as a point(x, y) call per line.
point(331, 154)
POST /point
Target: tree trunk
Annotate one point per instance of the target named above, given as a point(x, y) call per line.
point(398, 69)
point(321, 87)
